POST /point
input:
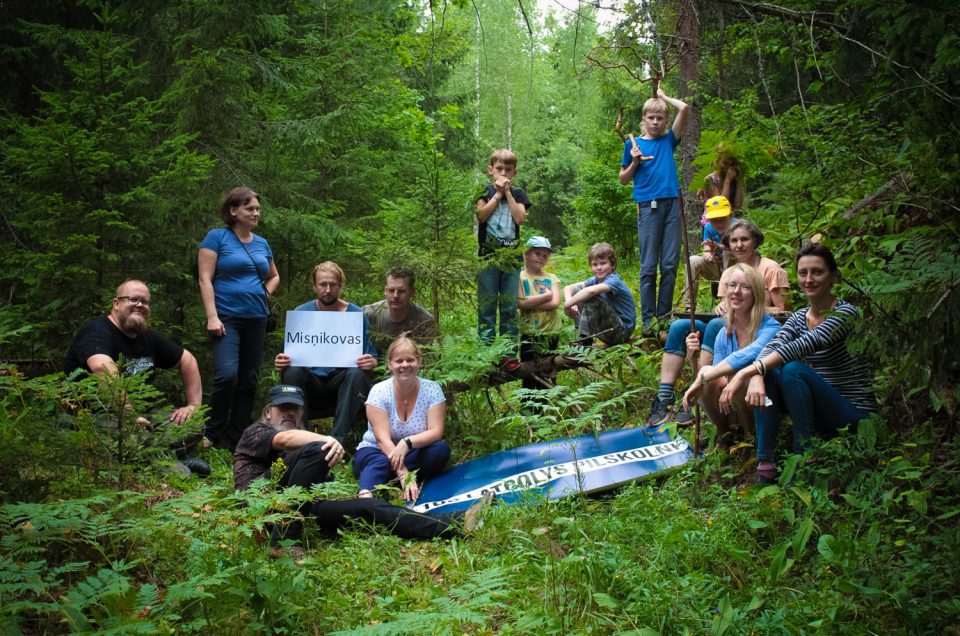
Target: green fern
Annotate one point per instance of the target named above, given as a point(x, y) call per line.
point(471, 603)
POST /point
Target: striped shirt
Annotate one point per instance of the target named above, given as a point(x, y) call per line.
point(824, 349)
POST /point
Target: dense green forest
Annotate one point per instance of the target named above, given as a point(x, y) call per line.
point(366, 127)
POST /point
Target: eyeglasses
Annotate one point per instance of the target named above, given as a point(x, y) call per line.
point(135, 300)
point(741, 286)
point(328, 285)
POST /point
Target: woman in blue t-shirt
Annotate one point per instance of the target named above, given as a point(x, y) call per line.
point(237, 277)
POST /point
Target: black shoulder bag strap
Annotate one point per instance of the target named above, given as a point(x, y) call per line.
point(272, 320)
point(263, 281)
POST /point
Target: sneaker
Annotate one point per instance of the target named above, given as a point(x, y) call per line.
point(196, 466)
point(766, 473)
point(684, 417)
point(658, 413)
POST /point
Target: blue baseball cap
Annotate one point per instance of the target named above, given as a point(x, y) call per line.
point(539, 241)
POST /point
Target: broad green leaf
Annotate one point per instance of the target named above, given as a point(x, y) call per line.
point(825, 546)
point(605, 600)
point(803, 494)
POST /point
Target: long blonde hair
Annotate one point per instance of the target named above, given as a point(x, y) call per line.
point(759, 310)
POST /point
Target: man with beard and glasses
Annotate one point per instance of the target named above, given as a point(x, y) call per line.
point(123, 339)
point(307, 458)
point(343, 389)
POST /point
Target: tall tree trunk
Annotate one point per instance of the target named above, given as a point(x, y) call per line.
point(476, 83)
point(689, 29)
point(721, 68)
point(509, 121)
point(437, 232)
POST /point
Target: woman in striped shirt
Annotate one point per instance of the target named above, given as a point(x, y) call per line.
point(806, 369)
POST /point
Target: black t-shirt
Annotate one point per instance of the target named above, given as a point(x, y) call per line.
point(144, 353)
point(487, 239)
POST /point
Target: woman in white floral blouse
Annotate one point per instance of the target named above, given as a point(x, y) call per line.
point(406, 416)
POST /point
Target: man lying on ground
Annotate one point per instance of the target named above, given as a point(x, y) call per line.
point(308, 458)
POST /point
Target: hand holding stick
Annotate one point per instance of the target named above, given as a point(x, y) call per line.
point(635, 152)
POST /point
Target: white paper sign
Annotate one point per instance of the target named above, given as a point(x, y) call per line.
point(323, 338)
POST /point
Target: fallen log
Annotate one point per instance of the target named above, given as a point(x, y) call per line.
point(543, 370)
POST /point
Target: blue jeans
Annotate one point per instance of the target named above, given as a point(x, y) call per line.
point(658, 232)
point(680, 329)
point(497, 288)
point(815, 407)
point(372, 468)
point(236, 359)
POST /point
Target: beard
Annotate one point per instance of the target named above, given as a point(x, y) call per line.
point(134, 323)
point(328, 300)
point(282, 424)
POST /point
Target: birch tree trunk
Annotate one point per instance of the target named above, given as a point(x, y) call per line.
point(509, 121)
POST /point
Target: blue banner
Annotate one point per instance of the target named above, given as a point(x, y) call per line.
point(556, 469)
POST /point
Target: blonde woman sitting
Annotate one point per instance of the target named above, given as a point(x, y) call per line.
point(748, 329)
point(406, 415)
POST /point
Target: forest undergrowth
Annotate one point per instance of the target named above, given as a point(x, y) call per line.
point(366, 128)
point(860, 536)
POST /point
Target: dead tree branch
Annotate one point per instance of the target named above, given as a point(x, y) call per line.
point(822, 20)
point(812, 18)
point(543, 370)
point(946, 295)
point(880, 196)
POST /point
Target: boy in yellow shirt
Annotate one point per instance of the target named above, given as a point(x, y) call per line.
point(539, 298)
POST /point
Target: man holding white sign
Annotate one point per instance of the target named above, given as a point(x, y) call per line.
point(324, 340)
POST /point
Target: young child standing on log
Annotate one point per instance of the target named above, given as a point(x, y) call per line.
point(539, 292)
point(648, 162)
point(501, 210)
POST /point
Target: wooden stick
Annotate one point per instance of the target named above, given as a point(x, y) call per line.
point(619, 126)
point(693, 325)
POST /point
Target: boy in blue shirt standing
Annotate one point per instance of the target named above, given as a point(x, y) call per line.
point(501, 210)
point(603, 305)
point(648, 162)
